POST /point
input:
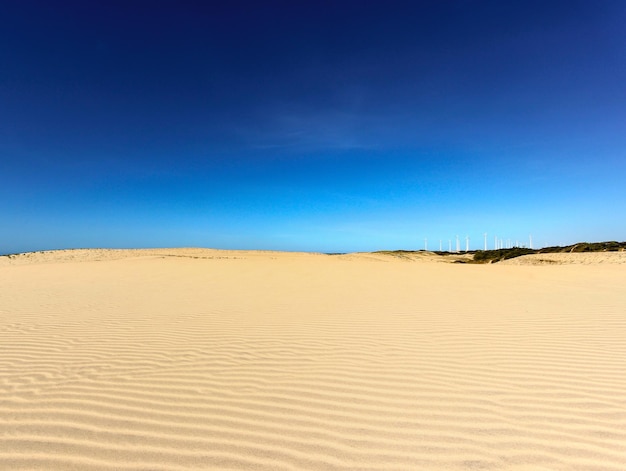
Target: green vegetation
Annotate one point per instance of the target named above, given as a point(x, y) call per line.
point(611, 246)
point(493, 256)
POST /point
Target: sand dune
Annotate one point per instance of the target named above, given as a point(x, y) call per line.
point(590, 258)
point(185, 359)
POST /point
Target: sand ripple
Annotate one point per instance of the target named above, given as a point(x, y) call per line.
point(184, 360)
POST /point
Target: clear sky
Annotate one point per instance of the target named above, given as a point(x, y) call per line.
point(311, 125)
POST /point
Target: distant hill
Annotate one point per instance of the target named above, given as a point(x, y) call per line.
point(493, 256)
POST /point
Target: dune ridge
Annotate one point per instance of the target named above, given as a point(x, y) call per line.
point(575, 258)
point(180, 359)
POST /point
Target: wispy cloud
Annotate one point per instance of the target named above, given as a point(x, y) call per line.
point(305, 131)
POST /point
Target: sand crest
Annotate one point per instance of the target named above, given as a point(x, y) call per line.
point(186, 359)
point(590, 258)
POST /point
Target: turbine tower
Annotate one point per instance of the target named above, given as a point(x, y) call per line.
point(485, 235)
point(458, 244)
point(530, 239)
point(467, 243)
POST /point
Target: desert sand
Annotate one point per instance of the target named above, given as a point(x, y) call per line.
point(188, 359)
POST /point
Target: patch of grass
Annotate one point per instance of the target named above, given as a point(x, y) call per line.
point(493, 256)
point(610, 246)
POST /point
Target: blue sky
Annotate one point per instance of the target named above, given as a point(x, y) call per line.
point(317, 126)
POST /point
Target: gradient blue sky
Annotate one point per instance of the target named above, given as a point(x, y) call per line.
point(315, 125)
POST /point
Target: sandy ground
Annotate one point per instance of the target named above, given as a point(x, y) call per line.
point(190, 359)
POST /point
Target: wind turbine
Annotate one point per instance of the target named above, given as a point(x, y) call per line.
point(485, 234)
point(458, 244)
point(467, 243)
point(530, 238)
point(440, 246)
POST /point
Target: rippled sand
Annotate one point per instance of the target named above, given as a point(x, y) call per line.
point(186, 359)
